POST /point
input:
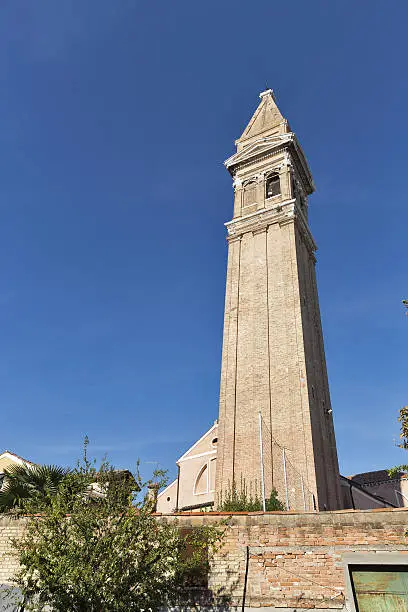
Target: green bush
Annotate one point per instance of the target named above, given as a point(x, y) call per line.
point(247, 499)
point(106, 552)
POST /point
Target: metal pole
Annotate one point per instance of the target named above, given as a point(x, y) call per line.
point(402, 495)
point(262, 462)
point(286, 478)
point(178, 487)
point(303, 493)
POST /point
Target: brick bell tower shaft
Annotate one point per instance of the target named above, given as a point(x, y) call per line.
point(273, 359)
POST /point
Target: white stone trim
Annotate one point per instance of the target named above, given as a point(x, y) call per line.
point(257, 212)
point(266, 147)
point(281, 212)
point(276, 139)
point(266, 93)
point(203, 454)
point(168, 487)
point(205, 466)
point(198, 441)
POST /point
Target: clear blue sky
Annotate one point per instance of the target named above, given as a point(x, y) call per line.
point(115, 118)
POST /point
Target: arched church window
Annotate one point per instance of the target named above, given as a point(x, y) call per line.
point(201, 483)
point(249, 193)
point(273, 185)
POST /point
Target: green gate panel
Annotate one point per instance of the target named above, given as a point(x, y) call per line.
point(380, 588)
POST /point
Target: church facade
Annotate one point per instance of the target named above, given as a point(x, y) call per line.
point(275, 426)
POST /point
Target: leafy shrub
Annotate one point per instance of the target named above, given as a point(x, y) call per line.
point(247, 499)
point(106, 552)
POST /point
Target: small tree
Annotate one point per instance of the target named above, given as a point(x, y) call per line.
point(108, 553)
point(403, 419)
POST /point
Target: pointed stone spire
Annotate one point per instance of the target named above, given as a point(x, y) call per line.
point(266, 118)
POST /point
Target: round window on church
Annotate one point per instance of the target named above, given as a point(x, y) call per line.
point(214, 441)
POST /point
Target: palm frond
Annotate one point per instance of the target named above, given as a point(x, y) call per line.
point(24, 481)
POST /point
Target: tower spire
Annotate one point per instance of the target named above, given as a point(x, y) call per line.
point(266, 119)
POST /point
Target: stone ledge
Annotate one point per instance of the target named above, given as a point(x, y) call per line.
point(284, 512)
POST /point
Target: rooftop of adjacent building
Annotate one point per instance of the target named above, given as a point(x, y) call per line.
point(13, 456)
point(375, 477)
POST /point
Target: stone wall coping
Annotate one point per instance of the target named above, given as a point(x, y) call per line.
point(309, 521)
point(278, 513)
point(284, 513)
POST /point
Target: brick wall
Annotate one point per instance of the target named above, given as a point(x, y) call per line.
point(291, 560)
point(297, 560)
point(9, 528)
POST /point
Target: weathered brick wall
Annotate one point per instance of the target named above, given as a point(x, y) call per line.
point(297, 560)
point(291, 560)
point(9, 528)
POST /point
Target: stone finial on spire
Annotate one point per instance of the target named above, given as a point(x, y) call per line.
point(268, 92)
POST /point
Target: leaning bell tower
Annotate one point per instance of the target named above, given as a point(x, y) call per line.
point(275, 419)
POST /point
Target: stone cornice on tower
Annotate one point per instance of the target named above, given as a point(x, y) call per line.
point(268, 146)
point(282, 213)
